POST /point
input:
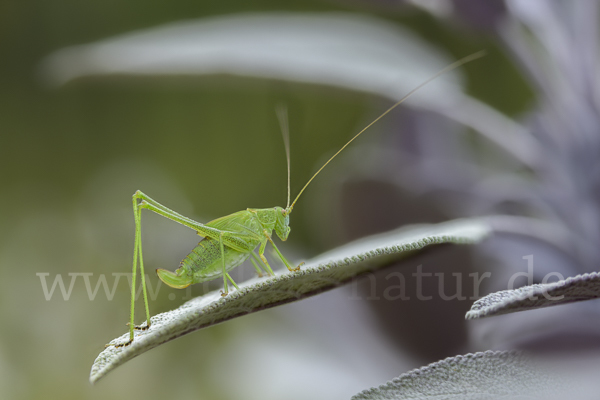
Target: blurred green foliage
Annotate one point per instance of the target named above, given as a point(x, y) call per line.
point(71, 157)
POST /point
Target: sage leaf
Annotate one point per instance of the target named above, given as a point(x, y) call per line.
point(324, 272)
point(570, 290)
point(487, 375)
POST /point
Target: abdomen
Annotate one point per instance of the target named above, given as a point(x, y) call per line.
point(205, 260)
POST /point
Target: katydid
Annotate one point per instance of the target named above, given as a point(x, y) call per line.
point(228, 241)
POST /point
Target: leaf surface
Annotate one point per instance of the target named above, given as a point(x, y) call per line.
point(570, 290)
point(346, 50)
point(325, 272)
point(487, 375)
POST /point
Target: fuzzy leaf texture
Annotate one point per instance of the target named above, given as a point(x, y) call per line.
point(371, 55)
point(324, 272)
point(488, 375)
point(570, 290)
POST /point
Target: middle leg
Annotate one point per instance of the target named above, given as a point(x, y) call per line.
point(225, 274)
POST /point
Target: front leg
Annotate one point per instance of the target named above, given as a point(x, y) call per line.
point(286, 262)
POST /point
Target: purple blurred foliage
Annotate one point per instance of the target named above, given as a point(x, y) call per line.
point(483, 15)
point(549, 207)
point(561, 64)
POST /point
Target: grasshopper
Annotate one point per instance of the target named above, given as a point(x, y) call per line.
point(230, 240)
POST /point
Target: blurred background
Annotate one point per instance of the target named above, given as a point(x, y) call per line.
point(79, 133)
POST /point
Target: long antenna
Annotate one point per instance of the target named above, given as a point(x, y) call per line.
point(282, 116)
point(450, 67)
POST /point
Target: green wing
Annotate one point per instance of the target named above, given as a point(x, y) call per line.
point(236, 222)
point(240, 230)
